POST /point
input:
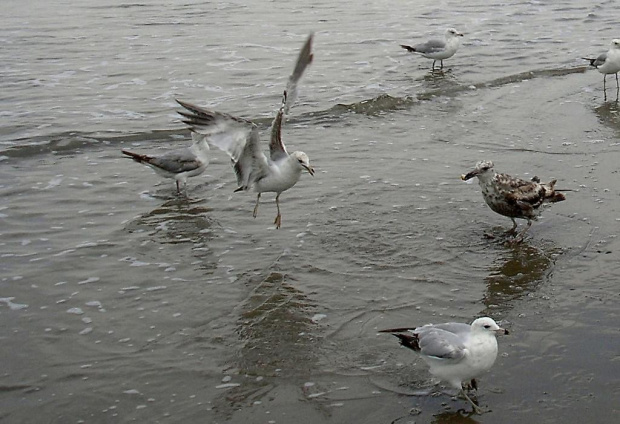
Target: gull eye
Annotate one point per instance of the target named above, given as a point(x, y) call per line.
point(487, 326)
point(300, 161)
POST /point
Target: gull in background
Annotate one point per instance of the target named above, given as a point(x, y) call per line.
point(438, 49)
point(239, 138)
point(456, 353)
point(178, 164)
point(608, 63)
point(513, 197)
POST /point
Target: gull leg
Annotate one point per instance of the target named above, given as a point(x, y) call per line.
point(278, 220)
point(513, 230)
point(477, 409)
point(441, 61)
point(434, 64)
point(471, 385)
point(617, 87)
point(256, 206)
point(178, 187)
point(519, 238)
point(605, 86)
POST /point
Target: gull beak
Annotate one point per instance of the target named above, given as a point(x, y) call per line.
point(309, 169)
point(469, 175)
point(460, 34)
point(502, 331)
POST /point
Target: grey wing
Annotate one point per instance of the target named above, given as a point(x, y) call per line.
point(454, 327)
point(431, 46)
point(277, 150)
point(441, 344)
point(177, 161)
point(226, 132)
point(251, 164)
point(236, 136)
point(600, 59)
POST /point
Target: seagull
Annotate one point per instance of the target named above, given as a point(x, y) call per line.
point(608, 63)
point(513, 197)
point(239, 138)
point(438, 49)
point(456, 353)
point(178, 164)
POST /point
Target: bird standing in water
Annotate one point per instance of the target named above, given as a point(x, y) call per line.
point(608, 63)
point(438, 49)
point(513, 197)
point(456, 353)
point(178, 164)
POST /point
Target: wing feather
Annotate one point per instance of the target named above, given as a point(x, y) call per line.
point(431, 46)
point(277, 149)
point(236, 136)
point(440, 343)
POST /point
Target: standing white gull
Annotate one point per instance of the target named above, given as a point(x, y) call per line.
point(608, 63)
point(178, 164)
point(513, 197)
point(239, 138)
point(456, 353)
point(438, 49)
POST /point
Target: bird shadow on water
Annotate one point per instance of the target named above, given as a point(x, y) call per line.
point(178, 220)
point(458, 417)
point(609, 114)
point(518, 271)
point(276, 335)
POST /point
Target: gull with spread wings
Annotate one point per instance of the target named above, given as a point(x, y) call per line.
point(239, 138)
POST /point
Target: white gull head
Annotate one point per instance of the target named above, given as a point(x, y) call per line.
point(304, 161)
point(483, 170)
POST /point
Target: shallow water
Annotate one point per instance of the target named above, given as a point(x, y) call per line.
point(121, 301)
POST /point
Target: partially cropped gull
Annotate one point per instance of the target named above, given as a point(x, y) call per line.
point(513, 197)
point(178, 164)
point(608, 63)
point(456, 353)
point(239, 138)
point(438, 49)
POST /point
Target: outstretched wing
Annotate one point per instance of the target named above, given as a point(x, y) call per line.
point(236, 136)
point(226, 132)
point(277, 150)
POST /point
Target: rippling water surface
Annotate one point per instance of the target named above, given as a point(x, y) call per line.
point(123, 302)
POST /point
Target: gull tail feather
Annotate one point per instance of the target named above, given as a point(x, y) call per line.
point(409, 340)
point(408, 48)
point(591, 60)
point(551, 195)
point(136, 156)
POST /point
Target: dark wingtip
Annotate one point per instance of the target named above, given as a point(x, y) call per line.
point(590, 60)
